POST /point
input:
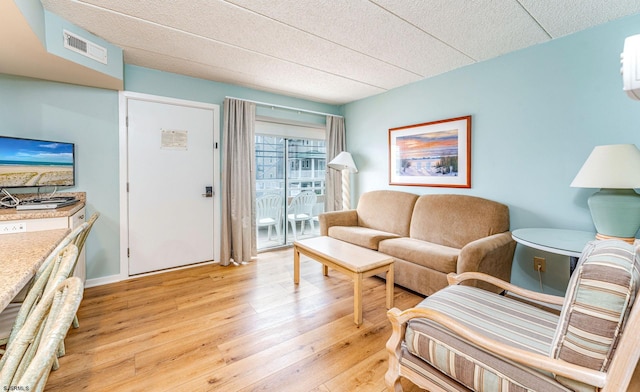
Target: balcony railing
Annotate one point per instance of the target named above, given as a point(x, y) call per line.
point(295, 186)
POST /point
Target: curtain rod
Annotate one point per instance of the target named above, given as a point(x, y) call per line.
point(285, 107)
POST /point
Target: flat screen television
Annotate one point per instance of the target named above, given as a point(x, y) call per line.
point(36, 163)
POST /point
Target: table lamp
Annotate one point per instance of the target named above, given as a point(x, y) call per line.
point(615, 209)
point(344, 162)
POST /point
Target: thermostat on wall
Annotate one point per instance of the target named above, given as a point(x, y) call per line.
point(630, 61)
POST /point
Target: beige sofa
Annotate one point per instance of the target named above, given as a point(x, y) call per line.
point(429, 236)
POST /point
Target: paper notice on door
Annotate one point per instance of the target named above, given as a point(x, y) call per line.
point(172, 139)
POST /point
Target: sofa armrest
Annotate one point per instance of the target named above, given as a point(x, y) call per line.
point(492, 255)
point(337, 218)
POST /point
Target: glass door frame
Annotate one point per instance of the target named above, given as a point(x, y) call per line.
point(286, 191)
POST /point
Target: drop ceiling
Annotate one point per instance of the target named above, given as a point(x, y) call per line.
point(333, 51)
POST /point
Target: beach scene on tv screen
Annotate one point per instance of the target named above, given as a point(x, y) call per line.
point(35, 163)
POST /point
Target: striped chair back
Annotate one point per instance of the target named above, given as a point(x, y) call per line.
point(598, 300)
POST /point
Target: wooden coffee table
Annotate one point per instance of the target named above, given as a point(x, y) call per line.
point(352, 260)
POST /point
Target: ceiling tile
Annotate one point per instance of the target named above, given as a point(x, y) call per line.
point(481, 29)
point(333, 51)
point(319, 90)
point(367, 28)
point(264, 37)
point(564, 17)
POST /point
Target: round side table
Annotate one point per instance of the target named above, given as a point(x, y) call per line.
point(559, 241)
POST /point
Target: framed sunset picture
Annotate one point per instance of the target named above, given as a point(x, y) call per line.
point(435, 154)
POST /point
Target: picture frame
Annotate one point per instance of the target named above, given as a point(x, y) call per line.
point(434, 154)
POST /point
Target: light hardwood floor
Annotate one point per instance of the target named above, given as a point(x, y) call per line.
point(238, 328)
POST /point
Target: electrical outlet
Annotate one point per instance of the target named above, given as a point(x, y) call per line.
point(13, 227)
point(539, 264)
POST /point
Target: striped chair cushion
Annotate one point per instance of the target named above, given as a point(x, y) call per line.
point(599, 297)
point(500, 318)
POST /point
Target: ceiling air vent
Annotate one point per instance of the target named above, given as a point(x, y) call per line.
point(84, 47)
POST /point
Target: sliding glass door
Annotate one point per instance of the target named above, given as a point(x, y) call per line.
point(290, 188)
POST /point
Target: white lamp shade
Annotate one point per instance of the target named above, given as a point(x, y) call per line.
point(614, 166)
point(343, 161)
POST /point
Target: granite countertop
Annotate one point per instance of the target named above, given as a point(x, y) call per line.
point(21, 254)
point(7, 214)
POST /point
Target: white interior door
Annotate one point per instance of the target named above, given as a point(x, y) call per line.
point(170, 157)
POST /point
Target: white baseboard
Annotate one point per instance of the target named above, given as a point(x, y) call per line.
point(104, 280)
point(119, 278)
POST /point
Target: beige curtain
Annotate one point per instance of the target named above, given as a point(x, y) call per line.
point(336, 143)
point(238, 183)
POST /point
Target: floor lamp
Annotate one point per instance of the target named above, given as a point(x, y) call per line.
point(344, 163)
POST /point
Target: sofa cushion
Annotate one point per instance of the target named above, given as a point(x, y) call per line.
point(437, 257)
point(499, 318)
point(362, 236)
point(456, 220)
point(388, 211)
point(598, 299)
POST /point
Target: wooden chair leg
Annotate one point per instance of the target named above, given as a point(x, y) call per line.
point(392, 377)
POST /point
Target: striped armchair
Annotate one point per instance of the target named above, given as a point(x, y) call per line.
point(463, 338)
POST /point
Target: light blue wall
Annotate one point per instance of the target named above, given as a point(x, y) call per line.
point(88, 117)
point(537, 114)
